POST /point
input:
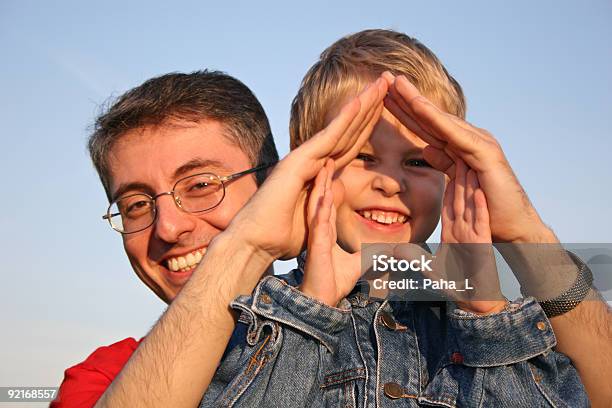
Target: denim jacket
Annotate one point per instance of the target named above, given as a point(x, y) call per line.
point(289, 350)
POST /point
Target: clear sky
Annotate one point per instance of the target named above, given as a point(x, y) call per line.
point(538, 75)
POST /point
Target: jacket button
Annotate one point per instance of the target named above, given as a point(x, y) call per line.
point(265, 298)
point(541, 326)
point(388, 321)
point(393, 390)
point(457, 358)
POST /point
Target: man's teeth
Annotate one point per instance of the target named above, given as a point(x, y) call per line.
point(384, 217)
point(184, 263)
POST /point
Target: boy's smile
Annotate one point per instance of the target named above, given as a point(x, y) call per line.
point(390, 193)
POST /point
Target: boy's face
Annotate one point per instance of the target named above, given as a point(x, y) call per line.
point(390, 193)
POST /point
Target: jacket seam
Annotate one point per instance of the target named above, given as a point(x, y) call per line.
point(540, 388)
point(365, 365)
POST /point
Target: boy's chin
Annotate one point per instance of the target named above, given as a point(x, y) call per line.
point(356, 245)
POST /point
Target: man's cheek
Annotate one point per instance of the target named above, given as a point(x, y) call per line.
point(135, 246)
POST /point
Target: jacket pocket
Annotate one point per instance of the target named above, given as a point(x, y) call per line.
point(344, 388)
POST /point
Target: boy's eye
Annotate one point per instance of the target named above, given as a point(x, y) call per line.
point(364, 157)
point(417, 163)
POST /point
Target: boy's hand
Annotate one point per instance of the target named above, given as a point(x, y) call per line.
point(513, 217)
point(330, 272)
point(273, 222)
point(465, 226)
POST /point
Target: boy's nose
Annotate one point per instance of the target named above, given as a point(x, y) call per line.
point(388, 185)
point(171, 221)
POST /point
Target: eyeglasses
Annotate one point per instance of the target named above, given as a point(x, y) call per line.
point(193, 194)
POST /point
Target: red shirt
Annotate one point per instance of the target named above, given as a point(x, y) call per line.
point(85, 383)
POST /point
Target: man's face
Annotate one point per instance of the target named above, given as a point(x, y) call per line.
point(390, 193)
point(151, 160)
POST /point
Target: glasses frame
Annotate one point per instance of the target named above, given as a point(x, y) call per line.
point(177, 199)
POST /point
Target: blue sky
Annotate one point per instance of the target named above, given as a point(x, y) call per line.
point(538, 75)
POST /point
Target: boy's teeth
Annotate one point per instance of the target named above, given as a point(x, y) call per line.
point(384, 217)
point(186, 262)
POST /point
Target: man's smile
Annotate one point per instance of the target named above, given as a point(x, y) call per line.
point(185, 262)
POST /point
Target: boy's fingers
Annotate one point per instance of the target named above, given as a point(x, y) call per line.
point(311, 155)
point(482, 224)
point(370, 98)
point(403, 108)
point(460, 175)
point(389, 77)
point(439, 160)
point(361, 129)
point(447, 206)
point(410, 124)
point(470, 187)
point(436, 121)
point(324, 211)
point(361, 140)
point(405, 97)
point(316, 194)
point(309, 158)
point(342, 128)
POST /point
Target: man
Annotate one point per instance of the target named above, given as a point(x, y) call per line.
point(179, 156)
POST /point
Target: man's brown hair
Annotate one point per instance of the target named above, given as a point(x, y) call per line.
point(195, 96)
point(350, 63)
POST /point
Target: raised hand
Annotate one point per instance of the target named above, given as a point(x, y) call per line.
point(466, 242)
point(512, 216)
point(330, 272)
point(273, 222)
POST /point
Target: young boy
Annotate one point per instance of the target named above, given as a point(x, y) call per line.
point(330, 344)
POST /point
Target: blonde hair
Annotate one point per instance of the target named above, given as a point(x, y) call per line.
point(351, 62)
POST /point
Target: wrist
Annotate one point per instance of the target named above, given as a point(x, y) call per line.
point(237, 238)
point(242, 263)
point(539, 234)
point(483, 307)
point(314, 294)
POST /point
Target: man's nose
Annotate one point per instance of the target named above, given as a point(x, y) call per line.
point(171, 221)
point(389, 183)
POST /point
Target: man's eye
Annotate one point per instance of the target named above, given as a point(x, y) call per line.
point(138, 207)
point(198, 186)
point(364, 157)
point(417, 163)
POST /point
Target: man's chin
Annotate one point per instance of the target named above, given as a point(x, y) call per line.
point(177, 279)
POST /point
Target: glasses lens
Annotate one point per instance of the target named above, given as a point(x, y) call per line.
point(200, 192)
point(132, 213)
